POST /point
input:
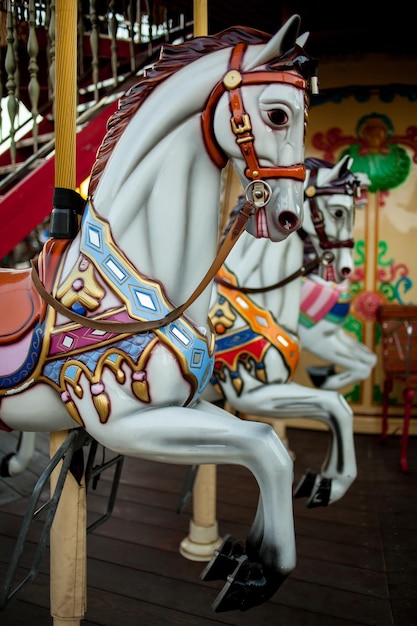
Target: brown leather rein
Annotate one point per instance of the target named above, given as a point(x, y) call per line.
point(139, 326)
point(304, 270)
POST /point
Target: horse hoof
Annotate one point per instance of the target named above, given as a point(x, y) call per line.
point(321, 497)
point(4, 466)
point(224, 560)
point(305, 487)
point(247, 587)
point(320, 373)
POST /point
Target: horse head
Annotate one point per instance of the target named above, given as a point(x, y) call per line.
point(332, 192)
point(264, 94)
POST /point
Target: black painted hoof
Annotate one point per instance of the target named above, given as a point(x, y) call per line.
point(320, 373)
point(322, 496)
point(4, 467)
point(305, 487)
point(224, 560)
point(247, 587)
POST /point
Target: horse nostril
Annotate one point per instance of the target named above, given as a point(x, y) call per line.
point(288, 221)
point(346, 271)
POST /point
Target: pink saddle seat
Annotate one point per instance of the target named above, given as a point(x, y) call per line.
point(20, 304)
point(22, 308)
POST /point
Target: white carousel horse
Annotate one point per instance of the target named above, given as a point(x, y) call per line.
point(321, 332)
point(104, 335)
point(255, 314)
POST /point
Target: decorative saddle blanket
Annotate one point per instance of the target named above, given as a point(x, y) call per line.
point(248, 343)
point(323, 301)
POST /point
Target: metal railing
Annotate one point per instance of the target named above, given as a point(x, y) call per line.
point(111, 45)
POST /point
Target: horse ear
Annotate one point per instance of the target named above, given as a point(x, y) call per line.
point(344, 164)
point(284, 39)
point(335, 172)
point(302, 39)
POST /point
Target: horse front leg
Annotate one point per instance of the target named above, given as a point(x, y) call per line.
point(206, 433)
point(353, 358)
point(291, 400)
point(338, 471)
point(16, 463)
point(254, 570)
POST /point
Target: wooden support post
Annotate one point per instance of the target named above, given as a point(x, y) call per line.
point(68, 533)
point(68, 538)
point(203, 537)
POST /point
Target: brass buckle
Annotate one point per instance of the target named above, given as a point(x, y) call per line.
point(244, 127)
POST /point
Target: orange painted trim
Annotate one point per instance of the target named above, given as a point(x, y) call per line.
point(251, 313)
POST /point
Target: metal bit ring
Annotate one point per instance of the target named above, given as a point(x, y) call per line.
point(327, 258)
point(258, 192)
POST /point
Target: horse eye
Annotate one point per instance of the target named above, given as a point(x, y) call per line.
point(278, 117)
point(338, 213)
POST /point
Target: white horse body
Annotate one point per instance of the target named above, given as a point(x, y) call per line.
point(253, 371)
point(148, 236)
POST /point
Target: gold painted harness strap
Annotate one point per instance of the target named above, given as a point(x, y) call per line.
point(251, 313)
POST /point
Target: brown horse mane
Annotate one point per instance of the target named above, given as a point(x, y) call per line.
point(172, 58)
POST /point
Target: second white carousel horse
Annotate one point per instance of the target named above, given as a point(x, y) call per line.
point(255, 313)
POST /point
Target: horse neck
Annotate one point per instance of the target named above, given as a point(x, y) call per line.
point(162, 207)
point(260, 263)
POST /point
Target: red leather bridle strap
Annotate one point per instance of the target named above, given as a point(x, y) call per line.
point(240, 121)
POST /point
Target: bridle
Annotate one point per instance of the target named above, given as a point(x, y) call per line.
point(240, 120)
point(347, 185)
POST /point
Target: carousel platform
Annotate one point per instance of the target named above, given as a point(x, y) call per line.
point(356, 560)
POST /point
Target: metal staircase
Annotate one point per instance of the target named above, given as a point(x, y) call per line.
point(113, 50)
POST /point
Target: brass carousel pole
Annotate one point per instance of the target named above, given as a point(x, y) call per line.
point(200, 18)
point(68, 532)
point(203, 536)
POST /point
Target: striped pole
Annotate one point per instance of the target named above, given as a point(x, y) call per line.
point(68, 533)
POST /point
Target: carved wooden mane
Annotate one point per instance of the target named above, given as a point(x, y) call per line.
point(172, 59)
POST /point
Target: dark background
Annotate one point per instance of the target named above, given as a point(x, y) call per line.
point(336, 28)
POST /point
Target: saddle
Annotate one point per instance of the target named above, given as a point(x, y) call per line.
point(23, 310)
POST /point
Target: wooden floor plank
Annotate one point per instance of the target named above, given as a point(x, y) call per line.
point(356, 560)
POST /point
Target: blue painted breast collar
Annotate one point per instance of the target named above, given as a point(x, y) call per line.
point(145, 300)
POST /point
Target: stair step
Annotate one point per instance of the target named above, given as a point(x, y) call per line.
point(29, 141)
point(9, 169)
